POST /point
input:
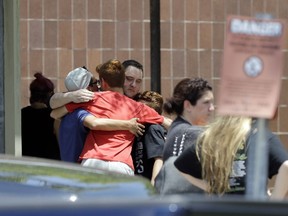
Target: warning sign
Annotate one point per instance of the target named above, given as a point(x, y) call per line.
point(252, 67)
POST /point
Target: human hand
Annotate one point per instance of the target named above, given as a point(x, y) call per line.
point(136, 128)
point(81, 95)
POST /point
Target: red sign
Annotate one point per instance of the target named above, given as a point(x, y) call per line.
point(252, 67)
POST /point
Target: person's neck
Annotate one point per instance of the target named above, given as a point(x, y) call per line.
point(38, 105)
point(183, 116)
point(116, 89)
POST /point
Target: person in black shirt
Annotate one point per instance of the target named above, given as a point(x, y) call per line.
point(38, 128)
point(192, 103)
point(147, 149)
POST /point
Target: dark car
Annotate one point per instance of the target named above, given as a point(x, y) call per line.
point(31, 186)
point(64, 181)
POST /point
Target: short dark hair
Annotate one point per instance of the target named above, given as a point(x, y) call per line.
point(187, 89)
point(132, 62)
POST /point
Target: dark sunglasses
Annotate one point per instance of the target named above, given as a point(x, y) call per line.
point(96, 82)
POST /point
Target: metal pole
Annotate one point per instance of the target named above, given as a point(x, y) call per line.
point(257, 170)
point(155, 45)
point(2, 113)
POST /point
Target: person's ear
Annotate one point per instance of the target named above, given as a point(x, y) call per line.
point(187, 105)
point(104, 84)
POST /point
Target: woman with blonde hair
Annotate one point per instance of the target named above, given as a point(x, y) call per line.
point(218, 161)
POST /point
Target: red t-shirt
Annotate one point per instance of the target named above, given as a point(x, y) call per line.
point(114, 145)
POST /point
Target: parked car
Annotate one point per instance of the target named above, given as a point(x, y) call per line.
point(66, 181)
point(31, 186)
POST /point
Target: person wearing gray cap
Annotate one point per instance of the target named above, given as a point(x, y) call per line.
point(80, 78)
point(75, 126)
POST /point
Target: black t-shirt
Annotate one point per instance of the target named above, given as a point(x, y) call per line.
point(38, 137)
point(189, 163)
point(180, 136)
point(146, 148)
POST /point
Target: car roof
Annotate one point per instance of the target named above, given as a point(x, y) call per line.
point(27, 176)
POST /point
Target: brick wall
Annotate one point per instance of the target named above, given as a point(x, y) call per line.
point(59, 35)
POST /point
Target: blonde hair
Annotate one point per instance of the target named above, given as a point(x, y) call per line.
point(217, 147)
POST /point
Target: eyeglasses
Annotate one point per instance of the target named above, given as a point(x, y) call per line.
point(96, 82)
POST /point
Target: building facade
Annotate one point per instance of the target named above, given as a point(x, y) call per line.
point(59, 35)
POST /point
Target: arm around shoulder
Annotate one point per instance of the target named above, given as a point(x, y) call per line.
point(60, 99)
point(58, 113)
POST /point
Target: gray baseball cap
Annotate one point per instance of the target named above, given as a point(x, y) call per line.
point(78, 78)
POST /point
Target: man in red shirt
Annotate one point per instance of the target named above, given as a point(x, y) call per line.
point(111, 150)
